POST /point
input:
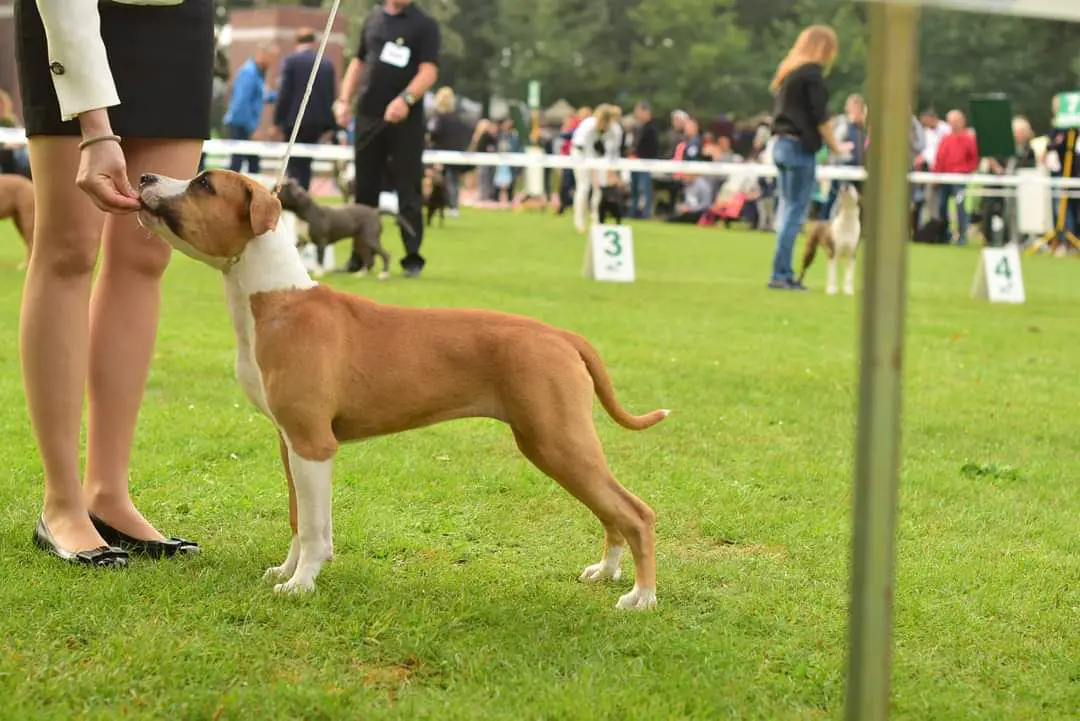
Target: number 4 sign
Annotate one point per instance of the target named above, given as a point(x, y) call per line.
point(609, 255)
point(998, 277)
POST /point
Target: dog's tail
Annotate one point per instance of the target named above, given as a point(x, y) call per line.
point(813, 240)
point(606, 393)
point(404, 223)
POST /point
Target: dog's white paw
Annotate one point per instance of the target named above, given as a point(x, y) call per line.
point(276, 573)
point(360, 273)
point(384, 275)
point(295, 586)
point(831, 290)
point(318, 273)
point(640, 599)
point(600, 572)
point(849, 291)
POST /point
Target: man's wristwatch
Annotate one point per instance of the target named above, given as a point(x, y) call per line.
point(409, 98)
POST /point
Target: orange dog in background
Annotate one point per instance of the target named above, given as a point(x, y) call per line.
point(17, 203)
point(327, 368)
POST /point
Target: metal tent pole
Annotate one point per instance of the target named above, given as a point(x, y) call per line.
point(893, 55)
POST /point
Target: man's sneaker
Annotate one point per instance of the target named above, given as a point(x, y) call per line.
point(786, 285)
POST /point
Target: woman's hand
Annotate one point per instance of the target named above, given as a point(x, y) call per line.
point(103, 176)
point(102, 170)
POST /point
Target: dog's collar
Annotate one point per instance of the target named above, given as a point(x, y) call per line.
point(230, 263)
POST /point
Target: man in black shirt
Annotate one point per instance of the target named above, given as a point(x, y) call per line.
point(395, 64)
point(646, 147)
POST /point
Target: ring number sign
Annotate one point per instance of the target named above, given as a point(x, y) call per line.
point(998, 278)
point(610, 254)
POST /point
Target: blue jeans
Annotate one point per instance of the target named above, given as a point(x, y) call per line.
point(238, 133)
point(796, 166)
point(955, 191)
point(641, 195)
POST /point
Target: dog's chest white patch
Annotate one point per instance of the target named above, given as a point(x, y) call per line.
point(247, 367)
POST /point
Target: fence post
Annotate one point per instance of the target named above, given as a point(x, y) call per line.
point(893, 53)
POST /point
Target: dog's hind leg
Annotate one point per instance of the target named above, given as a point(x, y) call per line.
point(565, 446)
point(385, 261)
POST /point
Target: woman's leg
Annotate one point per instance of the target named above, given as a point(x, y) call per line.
point(582, 183)
point(123, 326)
point(453, 187)
point(54, 331)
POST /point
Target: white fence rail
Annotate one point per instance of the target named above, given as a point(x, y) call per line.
point(274, 151)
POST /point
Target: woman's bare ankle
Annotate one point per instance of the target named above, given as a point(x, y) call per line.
point(70, 525)
point(119, 511)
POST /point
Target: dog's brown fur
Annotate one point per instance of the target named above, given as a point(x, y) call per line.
point(818, 234)
point(336, 368)
point(17, 203)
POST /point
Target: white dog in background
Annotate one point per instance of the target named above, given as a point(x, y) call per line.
point(840, 239)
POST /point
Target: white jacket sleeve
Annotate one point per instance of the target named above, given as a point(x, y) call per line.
point(77, 59)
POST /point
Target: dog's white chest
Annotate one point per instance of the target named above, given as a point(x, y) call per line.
point(247, 368)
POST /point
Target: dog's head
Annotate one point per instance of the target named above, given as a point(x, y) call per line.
point(848, 197)
point(435, 173)
point(292, 196)
point(211, 217)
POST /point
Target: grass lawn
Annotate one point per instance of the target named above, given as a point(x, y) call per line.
point(453, 594)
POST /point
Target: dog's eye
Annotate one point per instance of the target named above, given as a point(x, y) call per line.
point(204, 182)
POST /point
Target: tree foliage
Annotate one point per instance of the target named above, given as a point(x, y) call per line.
point(717, 56)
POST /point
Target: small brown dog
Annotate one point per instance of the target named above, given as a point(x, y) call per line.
point(434, 190)
point(17, 203)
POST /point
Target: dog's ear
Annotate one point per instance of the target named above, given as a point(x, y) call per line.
point(264, 209)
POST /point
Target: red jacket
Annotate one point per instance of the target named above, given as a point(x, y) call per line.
point(957, 153)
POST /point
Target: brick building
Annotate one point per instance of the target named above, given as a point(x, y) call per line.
point(249, 27)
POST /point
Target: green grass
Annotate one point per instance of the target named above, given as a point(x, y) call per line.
point(453, 594)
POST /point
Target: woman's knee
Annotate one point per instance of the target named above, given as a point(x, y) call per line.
point(130, 250)
point(68, 252)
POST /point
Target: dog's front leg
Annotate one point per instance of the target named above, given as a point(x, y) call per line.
point(830, 284)
point(849, 276)
point(312, 480)
point(288, 566)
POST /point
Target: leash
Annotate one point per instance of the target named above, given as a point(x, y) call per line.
point(307, 94)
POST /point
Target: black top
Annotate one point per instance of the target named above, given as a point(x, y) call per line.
point(392, 47)
point(449, 132)
point(647, 142)
point(487, 143)
point(319, 114)
point(802, 105)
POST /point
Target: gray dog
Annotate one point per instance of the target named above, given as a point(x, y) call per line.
point(329, 224)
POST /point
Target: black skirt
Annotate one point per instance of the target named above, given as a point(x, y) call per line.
point(162, 61)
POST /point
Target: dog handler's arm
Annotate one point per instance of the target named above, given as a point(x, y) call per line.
point(80, 67)
point(85, 87)
point(818, 97)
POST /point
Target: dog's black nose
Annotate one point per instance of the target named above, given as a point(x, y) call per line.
point(147, 179)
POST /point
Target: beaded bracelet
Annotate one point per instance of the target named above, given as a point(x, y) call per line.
point(98, 139)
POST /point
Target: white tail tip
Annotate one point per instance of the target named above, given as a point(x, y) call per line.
point(665, 412)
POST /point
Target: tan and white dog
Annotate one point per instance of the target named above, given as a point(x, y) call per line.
point(839, 238)
point(327, 368)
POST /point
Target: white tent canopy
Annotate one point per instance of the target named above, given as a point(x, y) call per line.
point(1050, 9)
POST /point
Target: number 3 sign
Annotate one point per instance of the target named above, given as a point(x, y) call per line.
point(998, 277)
point(609, 255)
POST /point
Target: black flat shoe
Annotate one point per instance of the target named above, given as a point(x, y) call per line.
point(101, 557)
point(153, 549)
